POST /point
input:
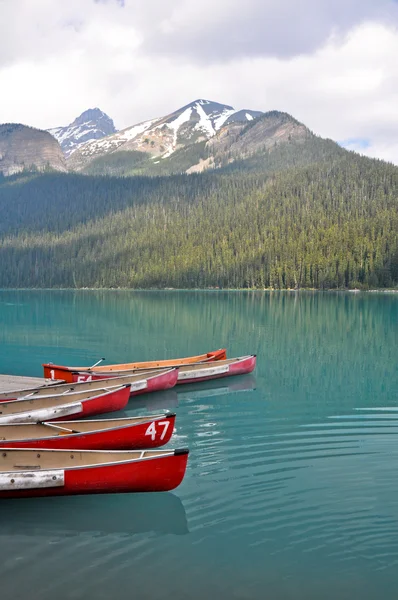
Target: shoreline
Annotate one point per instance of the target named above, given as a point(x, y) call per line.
point(168, 289)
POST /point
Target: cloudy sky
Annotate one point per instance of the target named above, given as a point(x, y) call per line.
point(332, 64)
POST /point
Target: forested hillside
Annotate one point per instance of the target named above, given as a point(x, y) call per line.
point(333, 224)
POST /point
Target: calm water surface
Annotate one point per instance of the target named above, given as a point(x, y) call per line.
point(292, 486)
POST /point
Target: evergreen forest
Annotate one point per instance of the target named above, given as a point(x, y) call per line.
point(326, 224)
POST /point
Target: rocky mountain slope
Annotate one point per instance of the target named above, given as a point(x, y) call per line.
point(23, 147)
point(268, 141)
point(238, 140)
point(272, 128)
point(92, 124)
point(192, 124)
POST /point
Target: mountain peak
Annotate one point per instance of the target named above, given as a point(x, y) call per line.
point(209, 107)
point(206, 117)
point(92, 124)
point(210, 104)
point(91, 114)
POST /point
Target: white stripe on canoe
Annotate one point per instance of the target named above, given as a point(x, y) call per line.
point(195, 374)
point(139, 385)
point(28, 480)
point(43, 414)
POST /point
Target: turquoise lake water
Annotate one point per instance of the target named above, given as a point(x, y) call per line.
point(291, 490)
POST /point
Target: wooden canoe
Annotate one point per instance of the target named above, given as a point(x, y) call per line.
point(52, 371)
point(113, 434)
point(141, 382)
point(192, 373)
point(29, 473)
point(61, 407)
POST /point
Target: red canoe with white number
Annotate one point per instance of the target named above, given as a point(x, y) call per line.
point(158, 381)
point(29, 473)
point(63, 373)
point(140, 383)
point(113, 434)
point(61, 407)
point(200, 372)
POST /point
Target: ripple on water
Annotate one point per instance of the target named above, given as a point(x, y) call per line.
point(324, 485)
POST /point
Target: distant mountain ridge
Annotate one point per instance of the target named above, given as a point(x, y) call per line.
point(92, 124)
point(161, 137)
point(200, 136)
point(27, 148)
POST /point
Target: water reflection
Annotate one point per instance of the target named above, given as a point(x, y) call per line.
point(291, 484)
point(170, 399)
point(160, 513)
point(156, 401)
point(216, 387)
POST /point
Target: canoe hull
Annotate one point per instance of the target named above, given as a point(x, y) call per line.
point(157, 383)
point(100, 405)
point(110, 402)
point(152, 433)
point(239, 368)
point(149, 475)
point(62, 372)
point(137, 380)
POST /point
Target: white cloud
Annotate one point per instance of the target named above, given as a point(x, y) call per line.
point(208, 31)
point(60, 58)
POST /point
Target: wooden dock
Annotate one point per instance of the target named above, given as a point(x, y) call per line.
point(17, 382)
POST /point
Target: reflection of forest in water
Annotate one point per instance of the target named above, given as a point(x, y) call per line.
point(298, 337)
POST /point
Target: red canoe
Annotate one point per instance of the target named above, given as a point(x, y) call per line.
point(112, 434)
point(159, 381)
point(63, 373)
point(194, 373)
point(28, 473)
point(56, 408)
point(140, 383)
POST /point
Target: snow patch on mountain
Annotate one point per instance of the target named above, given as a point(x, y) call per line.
point(219, 121)
point(175, 126)
point(205, 123)
point(113, 142)
point(131, 132)
point(61, 133)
